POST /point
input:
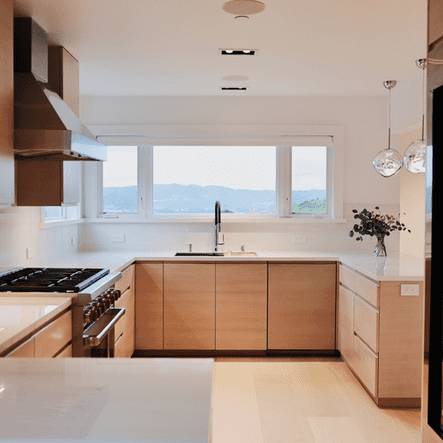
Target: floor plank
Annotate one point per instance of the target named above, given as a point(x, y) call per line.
point(302, 400)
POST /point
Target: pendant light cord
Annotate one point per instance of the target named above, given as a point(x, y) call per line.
point(389, 121)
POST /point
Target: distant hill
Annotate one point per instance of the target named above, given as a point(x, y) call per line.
point(196, 199)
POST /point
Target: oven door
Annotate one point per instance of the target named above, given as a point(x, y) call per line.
point(99, 337)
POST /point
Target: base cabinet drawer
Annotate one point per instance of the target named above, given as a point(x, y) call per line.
point(26, 350)
point(366, 365)
point(367, 321)
point(124, 345)
point(51, 341)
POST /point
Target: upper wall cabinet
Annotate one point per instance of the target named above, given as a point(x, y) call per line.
point(435, 20)
point(63, 76)
point(6, 103)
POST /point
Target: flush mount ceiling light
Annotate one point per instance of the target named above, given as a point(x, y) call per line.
point(238, 51)
point(243, 7)
point(415, 155)
point(231, 88)
point(388, 162)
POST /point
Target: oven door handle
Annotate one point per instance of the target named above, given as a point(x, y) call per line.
point(98, 331)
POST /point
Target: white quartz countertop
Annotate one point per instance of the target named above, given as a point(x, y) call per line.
point(396, 267)
point(21, 315)
point(149, 400)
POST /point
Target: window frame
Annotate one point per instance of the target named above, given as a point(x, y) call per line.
point(283, 175)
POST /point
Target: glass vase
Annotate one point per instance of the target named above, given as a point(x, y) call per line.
point(380, 247)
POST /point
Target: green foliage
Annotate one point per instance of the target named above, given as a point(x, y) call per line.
point(311, 206)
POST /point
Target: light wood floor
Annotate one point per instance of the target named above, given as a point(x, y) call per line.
point(301, 399)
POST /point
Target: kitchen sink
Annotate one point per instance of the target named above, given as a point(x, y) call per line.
point(242, 254)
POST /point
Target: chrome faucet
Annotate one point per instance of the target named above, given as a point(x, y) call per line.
point(219, 237)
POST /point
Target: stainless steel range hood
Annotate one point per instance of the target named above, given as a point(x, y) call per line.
point(45, 126)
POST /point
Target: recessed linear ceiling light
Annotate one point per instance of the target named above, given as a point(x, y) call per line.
point(243, 7)
point(238, 51)
point(229, 88)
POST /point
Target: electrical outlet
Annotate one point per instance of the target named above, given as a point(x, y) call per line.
point(74, 241)
point(410, 289)
point(118, 238)
point(299, 238)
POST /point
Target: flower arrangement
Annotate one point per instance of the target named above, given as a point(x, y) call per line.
point(376, 224)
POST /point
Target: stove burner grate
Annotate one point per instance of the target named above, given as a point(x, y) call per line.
point(49, 279)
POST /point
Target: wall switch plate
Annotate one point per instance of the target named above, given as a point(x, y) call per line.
point(29, 253)
point(299, 238)
point(410, 289)
point(118, 238)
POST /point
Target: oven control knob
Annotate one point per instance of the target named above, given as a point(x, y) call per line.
point(107, 300)
point(99, 307)
point(117, 293)
point(110, 296)
point(89, 314)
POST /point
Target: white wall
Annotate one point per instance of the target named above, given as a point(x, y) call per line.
point(23, 243)
point(365, 126)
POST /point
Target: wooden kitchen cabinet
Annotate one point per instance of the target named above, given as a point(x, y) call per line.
point(47, 183)
point(63, 76)
point(54, 340)
point(435, 20)
point(346, 324)
point(301, 310)
point(125, 327)
point(7, 168)
point(386, 329)
point(241, 306)
point(189, 306)
point(149, 306)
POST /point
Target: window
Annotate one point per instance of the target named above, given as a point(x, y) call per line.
point(189, 179)
point(309, 169)
point(61, 213)
point(120, 180)
point(260, 181)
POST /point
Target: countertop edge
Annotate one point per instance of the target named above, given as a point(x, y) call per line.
point(31, 328)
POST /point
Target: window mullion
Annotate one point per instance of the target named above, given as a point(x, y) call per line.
point(145, 180)
point(283, 181)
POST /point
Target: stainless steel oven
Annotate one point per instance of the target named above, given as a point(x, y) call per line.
point(94, 296)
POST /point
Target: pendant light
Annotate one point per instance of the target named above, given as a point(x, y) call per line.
point(415, 155)
point(388, 162)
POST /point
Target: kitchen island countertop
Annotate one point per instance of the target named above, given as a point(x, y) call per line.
point(21, 315)
point(396, 267)
point(150, 400)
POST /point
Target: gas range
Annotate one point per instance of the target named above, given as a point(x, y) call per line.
point(94, 299)
point(86, 283)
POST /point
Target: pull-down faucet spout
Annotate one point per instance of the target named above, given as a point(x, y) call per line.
point(219, 237)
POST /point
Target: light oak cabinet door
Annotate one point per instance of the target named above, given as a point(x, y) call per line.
point(149, 306)
point(6, 103)
point(346, 324)
point(189, 306)
point(302, 306)
point(241, 306)
point(435, 20)
point(125, 327)
point(63, 76)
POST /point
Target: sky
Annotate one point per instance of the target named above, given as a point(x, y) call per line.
point(246, 167)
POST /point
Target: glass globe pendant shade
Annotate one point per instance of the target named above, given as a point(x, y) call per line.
point(387, 162)
point(415, 157)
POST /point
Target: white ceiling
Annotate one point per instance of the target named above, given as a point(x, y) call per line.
point(170, 47)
